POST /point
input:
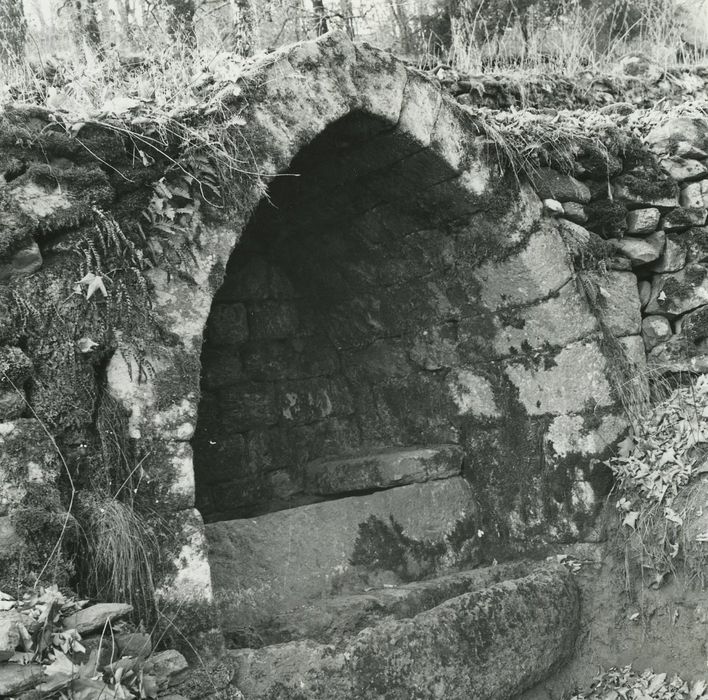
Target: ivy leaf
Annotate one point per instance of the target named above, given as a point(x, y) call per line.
point(94, 285)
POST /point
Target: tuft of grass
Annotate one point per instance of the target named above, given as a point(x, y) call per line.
point(118, 551)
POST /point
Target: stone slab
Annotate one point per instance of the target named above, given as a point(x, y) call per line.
point(534, 273)
point(488, 645)
point(278, 561)
point(383, 469)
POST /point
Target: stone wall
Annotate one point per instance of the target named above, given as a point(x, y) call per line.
point(396, 289)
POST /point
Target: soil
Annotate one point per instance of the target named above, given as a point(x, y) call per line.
point(625, 620)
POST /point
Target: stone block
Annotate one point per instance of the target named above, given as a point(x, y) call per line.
point(247, 406)
point(644, 287)
point(641, 222)
point(531, 625)
point(619, 304)
point(673, 258)
point(227, 326)
point(383, 469)
point(682, 218)
point(273, 319)
point(641, 250)
point(306, 401)
point(683, 169)
point(557, 321)
point(642, 193)
point(664, 138)
point(575, 212)
point(575, 376)
point(96, 617)
point(655, 330)
point(248, 281)
point(695, 195)
point(551, 184)
point(541, 268)
point(278, 561)
point(675, 293)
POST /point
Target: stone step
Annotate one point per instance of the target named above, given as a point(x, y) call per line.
point(382, 469)
point(488, 644)
point(332, 620)
point(277, 562)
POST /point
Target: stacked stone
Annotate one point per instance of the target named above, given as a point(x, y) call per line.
point(652, 210)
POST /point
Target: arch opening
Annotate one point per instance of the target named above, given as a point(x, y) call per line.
point(345, 306)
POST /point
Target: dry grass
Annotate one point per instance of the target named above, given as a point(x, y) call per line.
point(118, 551)
point(574, 41)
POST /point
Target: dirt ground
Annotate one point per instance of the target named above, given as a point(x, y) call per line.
point(627, 621)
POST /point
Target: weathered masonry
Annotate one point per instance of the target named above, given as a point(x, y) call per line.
point(381, 368)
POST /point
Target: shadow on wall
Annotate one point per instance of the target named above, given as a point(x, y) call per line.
point(351, 320)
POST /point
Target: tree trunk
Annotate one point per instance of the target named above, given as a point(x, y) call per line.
point(182, 18)
point(13, 29)
point(347, 12)
point(83, 21)
point(321, 26)
point(244, 28)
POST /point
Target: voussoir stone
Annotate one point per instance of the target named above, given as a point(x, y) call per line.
point(488, 644)
point(94, 618)
point(277, 561)
point(641, 222)
point(383, 469)
point(682, 169)
point(551, 184)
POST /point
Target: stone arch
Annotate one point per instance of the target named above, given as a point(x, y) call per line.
point(298, 98)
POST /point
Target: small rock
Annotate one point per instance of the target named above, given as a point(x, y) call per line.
point(105, 648)
point(575, 212)
point(23, 262)
point(551, 184)
point(691, 196)
point(641, 222)
point(137, 644)
point(168, 667)
point(682, 218)
point(673, 259)
point(95, 617)
point(14, 678)
point(644, 292)
point(655, 330)
point(9, 638)
point(641, 250)
point(553, 207)
point(682, 169)
point(685, 149)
